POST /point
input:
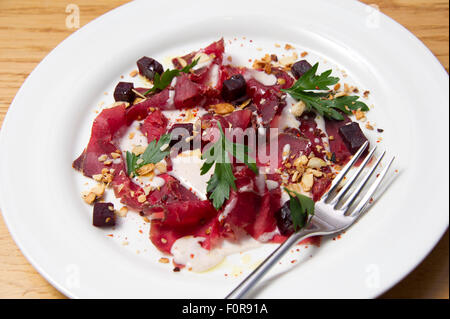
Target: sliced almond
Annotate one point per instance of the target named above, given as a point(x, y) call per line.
point(122, 212)
point(161, 167)
point(298, 108)
point(89, 197)
point(182, 61)
point(307, 182)
point(98, 190)
point(146, 169)
point(316, 162)
point(138, 150)
point(102, 158)
point(223, 108)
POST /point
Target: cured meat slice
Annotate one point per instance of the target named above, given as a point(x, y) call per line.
point(155, 125)
point(140, 110)
point(188, 94)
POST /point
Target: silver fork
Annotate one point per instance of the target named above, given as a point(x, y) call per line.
point(329, 217)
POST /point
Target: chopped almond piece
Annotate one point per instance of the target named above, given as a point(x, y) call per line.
point(161, 167)
point(133, 73)
point(122, 212)
point(98, 190)
point(89, 198)
point(164, 260)
point(146, 169)
point(307, 182)
point(102, 158)
point(138, 150)
point(223, 108)
point(142, 198)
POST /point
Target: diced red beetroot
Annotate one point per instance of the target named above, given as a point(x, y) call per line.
point(234, 88)
point(353, 137)
point(103, 215)
point(140, 110)
point(124, 92)
point(284, 219)
point(337, 144)
point(148, 67)
point(155, 125)
point(182, 137)
point(187, 93)
point(300, 67)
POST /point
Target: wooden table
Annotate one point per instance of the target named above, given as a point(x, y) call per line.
point(29, 30)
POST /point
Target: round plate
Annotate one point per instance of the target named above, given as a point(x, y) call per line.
point(49, 122)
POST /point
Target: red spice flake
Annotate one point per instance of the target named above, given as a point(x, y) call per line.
point(249, 60)
point(396, 171)
point(303, 54)
point(293, 261)
point(192, 255)
point(176, 269)
point(190, 268)
point(251, 41)
point(110, 235)
point(306, 246)
point(297, 249)
point(140, 230)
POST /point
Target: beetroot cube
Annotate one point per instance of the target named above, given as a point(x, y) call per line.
point(284, 219)
point(353, 137)
point(299, 68)
point(148, 67)
point(124, 92)
point(234, 88)
point(104, 215)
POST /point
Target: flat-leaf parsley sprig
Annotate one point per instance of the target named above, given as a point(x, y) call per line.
point(218, 186)
point(301, 207)
point(154, 153)
point(160, 82)
point(306, 89)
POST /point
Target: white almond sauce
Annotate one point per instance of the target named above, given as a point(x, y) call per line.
point(188, 251)
point(287, 119)
point(186, 168)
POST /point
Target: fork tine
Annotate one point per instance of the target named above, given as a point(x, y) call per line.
point(344, 171)
point(350, 182)
point(350, 201)
point(362, 204)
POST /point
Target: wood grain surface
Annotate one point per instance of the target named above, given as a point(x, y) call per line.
point(30, 29)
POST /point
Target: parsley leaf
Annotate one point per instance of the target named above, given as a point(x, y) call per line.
point(160, 82)
point(223, 179)
point(154, 153)
point(303, 90)
point(301, 207)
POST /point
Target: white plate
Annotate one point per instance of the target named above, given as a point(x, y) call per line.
point(48, 125)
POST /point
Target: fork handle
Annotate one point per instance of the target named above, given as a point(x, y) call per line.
point(251, 280)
